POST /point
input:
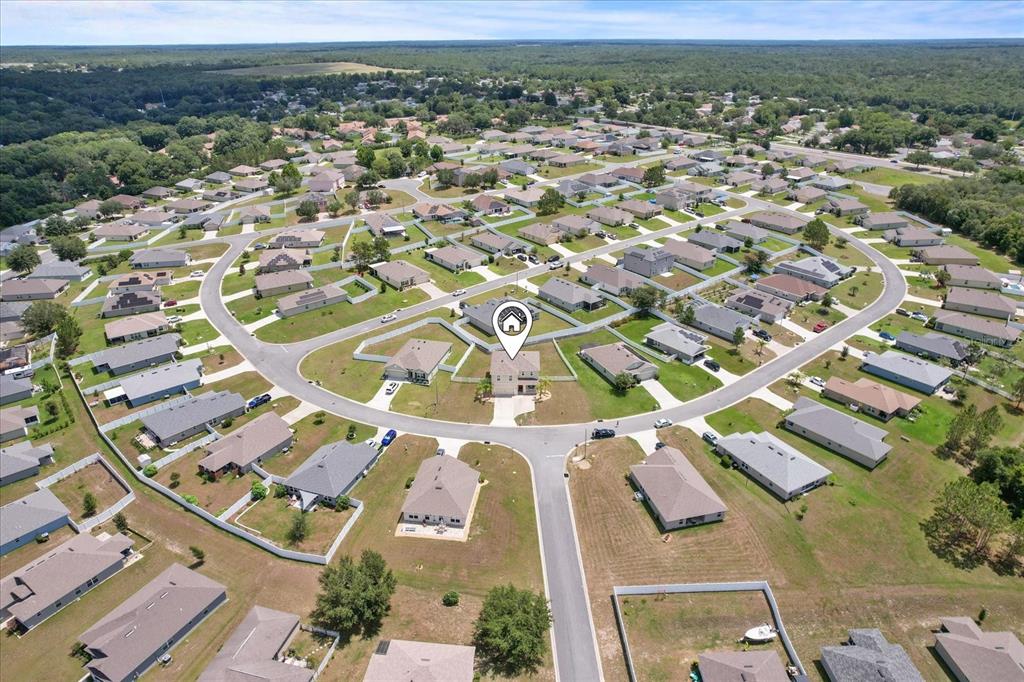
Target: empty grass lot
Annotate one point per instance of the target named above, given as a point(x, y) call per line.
point(893, 177)
point(740, 359)
point(857, 557)
point(443, 399)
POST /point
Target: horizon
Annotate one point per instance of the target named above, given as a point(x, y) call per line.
point(46, 23)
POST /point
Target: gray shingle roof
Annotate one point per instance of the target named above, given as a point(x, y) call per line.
point(853, 433)
point(28, 514)
point(137, 351)
point(938, 344)
point(207, 407)
point(444, 486)
point(333, 468)
point(22, 457)
point(249, 652)
point(869, 658)
point(780, 463)
point(165, 378)
point(569, 292)
point(674, 487)
point(908, 367)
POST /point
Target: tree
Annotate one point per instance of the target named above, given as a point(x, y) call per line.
point(816, 233)
point(511, 631)
point(450, 598)
point(365, 156)
point(23, 258)
point(919, 158)
point(967, 517)
point(355, 597)
point(52, 409)
point(646, 298)
point(110, 207)
point(958, 429)
point(436, 153)
point(334, 207)
point(307, 209)
point(42, 317)
point(1013, 547)
point(342, 503)
point(755, 260)
point(89, 505)
point(150, 471)
point(737, 336)
point(687, 315)
point(445, 177)
point(1017, 391)
point(299, 528)
point(489, 177)
point(68, 248)
point(942, 277)
point(258, 491)
point(352, 199)
point(68, 334)
point(550, 202)
point(197, 553)
point(381, 249)
point(623, 381)
point(363, 255)
point(120, 522)
point(1003, 467)
point(983, 429)
point(287, 180)
point(654, 175)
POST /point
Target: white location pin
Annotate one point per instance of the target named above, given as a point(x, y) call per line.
point(512, 322)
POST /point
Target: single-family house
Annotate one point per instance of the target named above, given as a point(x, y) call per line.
point(488, 205)
point(679, 195)
point(330, 472)
point(525, 196)
point(779, 467)
point(844, 206)
point(13, 390)
point(417, 361)
point(541, 233)
point(147, 259)
point(130, 303)
point(250, 185)
point(820, 270)
point(675, 491)
point(946, 254)
point(442, 213)
point(913, 236)
point(217, 178)
point(256, 441)
point(613, 359)
point(384, 225)
point(807, 194)
point(311, 299)
point(127, 641)
point(615, 281)
point(137, 355)
point(769, 185)
point(648, 262)
point(885, 220)
point(188, 206)
point(973, 277)
point(985, 330)
point(496, 242)
point(839, 432)
point(219, 195)
point(121, 231)
point(690, 254)
point(787, 223)
point(641, 209)
point(61, 269)
point(19, 461)
point(868, 655)
point(27, 518)
point(139, 282)
point(741, 666)
point(687, 346)
point(188, 185)
point(518, 376)
point(800, 174)
point(481, 315)
point(277, 260)
point(906, 370)
point(715, 241)
point(129, 202)
point(282, 282)
point(744, 231)
point(973, 655)
point(592, 180)
point(517, 167)
point(610, 216)
point(455, 258)
point(720, 321)
point(576, 225)
point(297, 239)
point(244, 171)
point(443, 493)
point(14, 421)
point(742, 177)
point(760, 304)
point(145, 387)
point(60, 577)
point(979, 302)
point(933, 346)
point(185, 419)
point(13, 357)
point(32, 289)
point(136, 327)
point(870, 397)
point(256, 650)
point(400, 274)
point(396, 659)
point(569, 296)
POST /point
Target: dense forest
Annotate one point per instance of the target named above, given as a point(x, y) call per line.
point(988, 207)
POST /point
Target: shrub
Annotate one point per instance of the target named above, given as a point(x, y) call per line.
point(279, 490)
point(120, 522)
point(450, 598)
point(342, 503)
point(191, 499)
point(258, 491)
point(89, 505)
point(408, 482)
point(149, 471)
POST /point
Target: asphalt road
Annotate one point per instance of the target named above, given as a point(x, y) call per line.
point(544, 447)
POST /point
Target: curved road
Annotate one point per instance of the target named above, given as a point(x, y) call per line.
point(544, 447)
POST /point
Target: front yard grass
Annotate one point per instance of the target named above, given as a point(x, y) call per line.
point(812, 314)
point(603, 401)
point(445, 279)
point(443, 399)
point(858, 291)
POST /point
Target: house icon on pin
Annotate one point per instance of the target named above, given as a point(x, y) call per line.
point(512, 321)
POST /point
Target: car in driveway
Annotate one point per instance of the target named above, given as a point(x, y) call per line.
point(762, 334)
point(817, 381)
point(372, 443)
point(598, 434)
point(919, 316)
point(197, 273)
point(258, 400)
point(554, 259)
point(535, 260)
point(170, 304)
point(554, 266)
point(820, 327)
point(903, 311)
point(662, 423)
point(174, 319)
point(390, 317)
point(887, 336)
point(709, 438)
point(388, 437)
point(459, 292)
point(521, 256)
point(390, 388)
point(712, 365)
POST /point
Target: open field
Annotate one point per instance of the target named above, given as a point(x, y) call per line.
point(313, 69)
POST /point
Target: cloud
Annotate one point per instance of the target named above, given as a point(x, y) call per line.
point(156, 22)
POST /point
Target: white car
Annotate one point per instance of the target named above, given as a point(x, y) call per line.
point(174, 319)
point(919, 316)
point(818, 381)
point(662, 423)
point(197, 273)
point(554, 266)
point(391, 387)
point(390, 317)
point(459, 292)
point(372, 443)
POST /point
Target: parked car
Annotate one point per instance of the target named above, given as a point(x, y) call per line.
point(554, 266)
point(259, 400)
point(820, 327)
point(712, 365)
point(818, 381)
point(170, 304)
point(534, 260)
point(197, 273)
point(762, 334)
point(659, 445)
point(391, 387)
point(600, 234)
point(390, 317)
point(662, 423)
point(919, 316)
point(887, 336)
point(710, 438)
point(440, 452)
point(260, 246)
point(554, 259)
point(388, 437)
point(174, 319)
point(902, 311)
point(372, 443)
point(522, 257)
point(598, 434)
point(459, 292)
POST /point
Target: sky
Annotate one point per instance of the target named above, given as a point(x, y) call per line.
point(145, 22)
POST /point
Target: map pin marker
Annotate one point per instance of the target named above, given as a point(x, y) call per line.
point(512, 322)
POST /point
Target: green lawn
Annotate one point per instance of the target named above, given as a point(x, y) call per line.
point(989, 259)
point(182, 290)
point(445, 279)
point(859, 290)
point(505, 265)
point(811, 315)
point(588, 316)
point(774, 244)
point(719, 267)
point(197, 331)
point(586, 243)
point(604, 402)
point(893, 177)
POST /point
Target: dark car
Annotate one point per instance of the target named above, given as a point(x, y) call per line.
point(388, 437)
point(554, 259)
point(259, 400)
point(712, 365)
point(602, 433)
point(534, 260)
point(762, 334)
